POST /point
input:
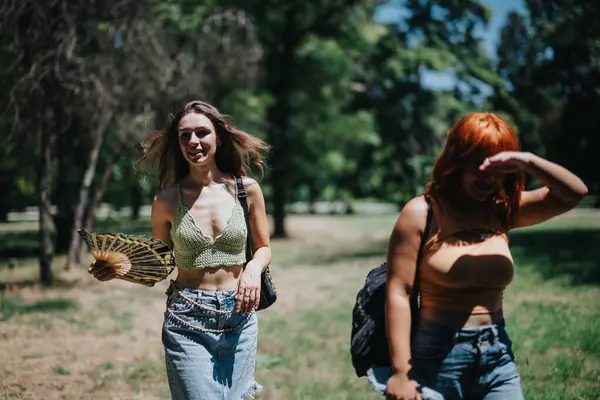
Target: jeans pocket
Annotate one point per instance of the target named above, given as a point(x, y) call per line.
point(179, 306)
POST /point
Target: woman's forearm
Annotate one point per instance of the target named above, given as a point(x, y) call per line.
point(398, 319)
point(261, 259)
point(562, 183)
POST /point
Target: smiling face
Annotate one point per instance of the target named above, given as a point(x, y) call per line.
point(456, 175)
point(481, 185)
point(197, 139)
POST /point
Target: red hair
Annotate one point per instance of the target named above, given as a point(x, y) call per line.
point(473, 138)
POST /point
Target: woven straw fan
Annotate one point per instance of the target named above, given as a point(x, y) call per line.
point(138, 259)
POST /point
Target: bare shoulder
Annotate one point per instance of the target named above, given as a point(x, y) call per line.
point(410, 225)
point(405, 238)
point(168, 195)
point(413, 215)
point(249, 182)
point(252, 186)
point(416, 206)
point(165, 200)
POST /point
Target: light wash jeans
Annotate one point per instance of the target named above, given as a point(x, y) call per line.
point(464, 364)
point(210, 351)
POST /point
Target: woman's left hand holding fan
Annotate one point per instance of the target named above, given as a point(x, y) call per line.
point(102, 271)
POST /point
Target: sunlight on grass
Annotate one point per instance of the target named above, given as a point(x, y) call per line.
point(312, 358)
point(552, 311)
point(554, 328)
point(553, 320)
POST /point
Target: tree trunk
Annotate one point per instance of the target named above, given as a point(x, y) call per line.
point(136, 201)
point(6, 179)
point(279, 65)
point(93, 204)
point(278, 117)
point(65, 194)
point(312, 197)
point(47, 142)
point(279, 200)
point(88, 178)
point(280, 77)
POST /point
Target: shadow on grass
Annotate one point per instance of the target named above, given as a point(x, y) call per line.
point(11, 306)
point(19, 244)
point(559, 253)
point(568, 253)
point(25, 243)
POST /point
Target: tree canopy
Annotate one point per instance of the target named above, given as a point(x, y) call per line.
point(338, 93)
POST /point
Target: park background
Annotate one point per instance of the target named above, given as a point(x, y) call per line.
point(355, 97)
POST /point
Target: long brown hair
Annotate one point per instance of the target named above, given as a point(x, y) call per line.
point(473, 138)
point(236, 151)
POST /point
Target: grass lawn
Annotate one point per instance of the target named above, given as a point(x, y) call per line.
point(84, 339)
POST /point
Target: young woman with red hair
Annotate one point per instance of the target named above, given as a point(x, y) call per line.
point(460, 348)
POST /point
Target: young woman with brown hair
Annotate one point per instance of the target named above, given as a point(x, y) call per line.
point(210, 327)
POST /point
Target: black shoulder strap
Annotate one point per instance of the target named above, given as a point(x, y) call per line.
point(414, 298)
point(243, 198)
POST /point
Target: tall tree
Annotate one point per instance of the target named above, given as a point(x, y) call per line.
point(85, 71)
point(283, 27)
point(412, 118)
point(550, 61)
point(40, 37)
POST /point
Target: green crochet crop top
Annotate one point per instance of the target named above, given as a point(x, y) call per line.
point(193, 249)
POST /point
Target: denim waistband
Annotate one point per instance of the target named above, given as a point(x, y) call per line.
point(461, 334)
point(218, 305)
point(197, 293)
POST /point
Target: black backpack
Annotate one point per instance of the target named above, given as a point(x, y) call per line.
point(368, 340)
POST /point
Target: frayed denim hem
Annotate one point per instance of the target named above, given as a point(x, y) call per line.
point(253, 391)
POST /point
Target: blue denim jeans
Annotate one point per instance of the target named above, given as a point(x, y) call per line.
point(454, 364)
point(210, 351)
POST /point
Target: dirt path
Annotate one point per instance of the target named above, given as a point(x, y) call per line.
point(104, 341)
point(114, 335)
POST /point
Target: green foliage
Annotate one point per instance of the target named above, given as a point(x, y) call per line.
point(326, 139)
point(551, 63)
point(17, 184)
point(339, 96)
point(411, 119)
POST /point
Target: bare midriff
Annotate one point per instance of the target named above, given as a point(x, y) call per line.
point(463, 308)
point(210, 279)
